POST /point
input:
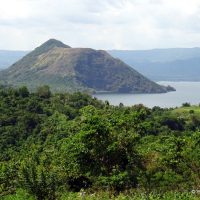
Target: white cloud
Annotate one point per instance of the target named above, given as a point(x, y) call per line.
point(101, 24)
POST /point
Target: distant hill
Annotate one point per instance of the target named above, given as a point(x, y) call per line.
point(7, 58)
point(175, 64)
point(164, 64)
point(77, 69)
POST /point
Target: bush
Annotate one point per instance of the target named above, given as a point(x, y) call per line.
point(186, 104)
point(191, 111)
point(19, 195)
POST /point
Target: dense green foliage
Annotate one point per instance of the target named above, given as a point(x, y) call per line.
point(55, 145)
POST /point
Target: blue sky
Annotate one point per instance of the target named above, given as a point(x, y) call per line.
point(100, 24)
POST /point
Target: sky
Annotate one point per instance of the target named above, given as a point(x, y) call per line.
point(100, 24)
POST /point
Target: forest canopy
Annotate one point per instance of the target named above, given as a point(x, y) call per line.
point(53, 144)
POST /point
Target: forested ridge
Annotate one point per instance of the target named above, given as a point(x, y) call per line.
point(61, 146)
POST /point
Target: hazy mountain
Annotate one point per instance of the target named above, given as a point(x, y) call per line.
point(7, 58)
point(164, 64)
point(77, 69)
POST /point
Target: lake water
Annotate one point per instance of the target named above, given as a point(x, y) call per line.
point(185, 92)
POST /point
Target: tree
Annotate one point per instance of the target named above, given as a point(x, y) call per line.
point(44, 91)
point(98, 155)
point(38, 181)
point(23, 91)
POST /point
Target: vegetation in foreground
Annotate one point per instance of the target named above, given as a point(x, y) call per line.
point(23, 195)
point(72, 146)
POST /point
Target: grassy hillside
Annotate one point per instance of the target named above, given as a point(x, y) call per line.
point(175, 64)
point(77, 69)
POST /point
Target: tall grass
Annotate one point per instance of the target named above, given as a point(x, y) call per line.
point(23, 195)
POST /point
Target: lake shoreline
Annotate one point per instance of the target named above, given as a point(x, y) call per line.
point(185, 92)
